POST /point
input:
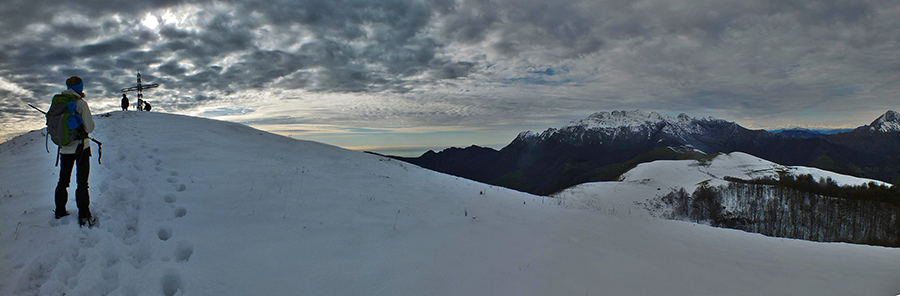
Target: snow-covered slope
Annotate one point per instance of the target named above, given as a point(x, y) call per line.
point(191, 206)
point(653, 179)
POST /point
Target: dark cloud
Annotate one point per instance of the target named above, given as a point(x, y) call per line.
point(113, 46)
point(261, 67)
point(511, 26)
point(452, 71)
point(827, 12)
point(172, 68)
point(470, 23)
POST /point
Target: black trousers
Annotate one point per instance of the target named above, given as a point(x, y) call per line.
point(82, 198)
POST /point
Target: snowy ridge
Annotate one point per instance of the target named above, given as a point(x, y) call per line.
point(202, 207)
point(889, 122)
point(636, 118)
point(633, 121)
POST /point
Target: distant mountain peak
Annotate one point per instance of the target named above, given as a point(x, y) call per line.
point(889, 122)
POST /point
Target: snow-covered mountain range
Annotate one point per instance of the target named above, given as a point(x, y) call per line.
point(635, 121)
point(689, 131)
point(606, 144)
point(201, 207)
point(706, 134)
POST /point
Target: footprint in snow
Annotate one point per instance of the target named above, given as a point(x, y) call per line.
point(172, 283)
point(61, 221)
point(180, 212)
point(165, 233)
point(139, 256)
point(183, 251)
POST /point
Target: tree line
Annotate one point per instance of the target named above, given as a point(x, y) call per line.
point(795, 207)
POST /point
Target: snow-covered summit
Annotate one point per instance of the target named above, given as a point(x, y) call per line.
point(889, 122)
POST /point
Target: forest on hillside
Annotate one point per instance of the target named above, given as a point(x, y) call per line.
point(793, 207)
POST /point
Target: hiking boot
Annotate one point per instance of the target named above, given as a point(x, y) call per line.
point(60, 213)
point(89, 221)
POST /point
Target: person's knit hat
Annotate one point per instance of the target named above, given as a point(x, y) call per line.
point(75, 83)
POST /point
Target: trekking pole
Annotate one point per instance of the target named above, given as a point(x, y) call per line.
point(46, 136)
point(36, 108)
point(99, 149)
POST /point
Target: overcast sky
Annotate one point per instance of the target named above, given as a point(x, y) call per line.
point(426, 74)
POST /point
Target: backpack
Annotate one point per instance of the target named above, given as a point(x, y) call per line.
point(64, 124)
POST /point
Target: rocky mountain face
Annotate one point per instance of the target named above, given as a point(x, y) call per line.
point(882, 136)
point(604, 145)
point(887, 123)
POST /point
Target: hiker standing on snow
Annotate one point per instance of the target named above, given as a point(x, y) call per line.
point(124, 102)
point(76, 153)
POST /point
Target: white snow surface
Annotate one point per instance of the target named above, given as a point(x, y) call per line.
point(191, 206)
